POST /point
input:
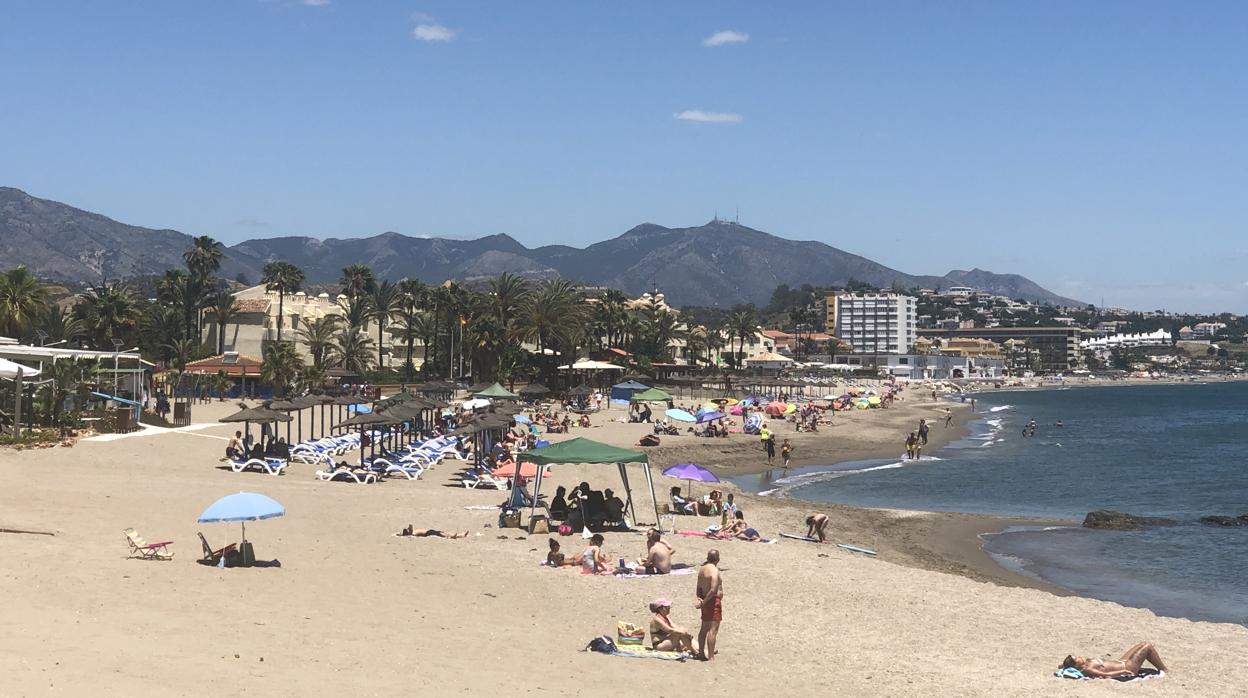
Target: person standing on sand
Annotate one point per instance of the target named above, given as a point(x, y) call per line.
point(770, 444)
point(923, 432)
point(786, 452)
point(972, 404)
point(948, 418)
point(764, 433)
point(710, 593)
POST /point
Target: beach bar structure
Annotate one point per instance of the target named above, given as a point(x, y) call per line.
point(39, 357)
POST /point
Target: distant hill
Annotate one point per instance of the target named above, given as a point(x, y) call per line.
point(717, 264)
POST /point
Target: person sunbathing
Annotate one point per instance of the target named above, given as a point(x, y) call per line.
point(429, 533)
point(556, 558)
point(664, 636)
point(1128, 666)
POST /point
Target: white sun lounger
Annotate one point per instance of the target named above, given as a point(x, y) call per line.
point(473, 479)
point(411, 471)
point(345, 475)
point(270, 466)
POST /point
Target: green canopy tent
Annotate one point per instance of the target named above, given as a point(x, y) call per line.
point(580, 450)
point(651, 395)
point(496, 391)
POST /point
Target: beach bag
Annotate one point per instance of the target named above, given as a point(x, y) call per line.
point(602, 644)
point(565, 530)
point(630, 634)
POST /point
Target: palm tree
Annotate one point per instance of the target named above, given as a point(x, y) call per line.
point(202, 260)
point(107, 312)
point(695, 344)
point(224, 311)
point(160, 327)
point(22, 299)
point(357, 280)
point(352, 350)
point(176, 289)
point(204, 257)
point(551, 314)
point(742, 324)
point(384, 304)
point(280, 366)
point(356, 310)
point(180, 351)
point(318, 336)
point(413, 295)
point(284, 278)
point(59, 324)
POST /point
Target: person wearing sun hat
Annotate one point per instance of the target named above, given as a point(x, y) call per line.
point(664, 636)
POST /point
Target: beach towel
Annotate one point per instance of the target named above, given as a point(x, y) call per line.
point(629, 634)
point(481, 507)
point(604, 645)
point(1071, 672)
point(640, 573)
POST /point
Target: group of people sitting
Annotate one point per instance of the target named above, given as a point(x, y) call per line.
point(242, 447)
point(584, 507)
point(559, 425)
point(657, 558)
point(713, 504)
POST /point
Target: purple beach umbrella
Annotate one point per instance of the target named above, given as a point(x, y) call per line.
point(690, 472)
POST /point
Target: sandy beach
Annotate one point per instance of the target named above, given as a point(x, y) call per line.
point(355, 610)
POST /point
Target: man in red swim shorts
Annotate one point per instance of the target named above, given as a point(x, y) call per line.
point(711, 601)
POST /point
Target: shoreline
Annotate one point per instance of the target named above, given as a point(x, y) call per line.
point(950, 542)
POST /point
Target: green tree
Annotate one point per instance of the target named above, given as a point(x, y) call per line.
point(59, 324)
point(22, 299)
point(357, 281)
point(280, 367)
point(352, 350)
point(384, 303)
point(284, 278)
point(318, 336)
point(742, 324)
point(225, 311)
point(108, 313)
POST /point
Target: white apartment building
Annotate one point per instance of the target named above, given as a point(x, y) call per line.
point(876, 323)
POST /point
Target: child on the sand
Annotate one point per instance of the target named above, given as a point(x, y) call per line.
point(786, 452)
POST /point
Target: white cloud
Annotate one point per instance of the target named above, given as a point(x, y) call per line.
point(708, 117)
point(726, 37)
point(434, 32)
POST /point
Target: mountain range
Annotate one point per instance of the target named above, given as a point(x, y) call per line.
point(718, 264)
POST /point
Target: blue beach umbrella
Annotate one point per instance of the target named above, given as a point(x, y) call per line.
point(521, 419)
point(358, 408)
point(680, 415)
point(709, 416)
point(242, 507)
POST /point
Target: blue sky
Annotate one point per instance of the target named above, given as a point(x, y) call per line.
point(1098, 148)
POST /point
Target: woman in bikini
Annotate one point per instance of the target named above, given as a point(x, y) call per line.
point(664, 636)
point(1129, 666)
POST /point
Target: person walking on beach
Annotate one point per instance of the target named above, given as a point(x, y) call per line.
point(948, 418)
point(763, 435)
point(770, 444)
point(710, 593)
point(922, 432)
point(912, 442)
point(786, 452)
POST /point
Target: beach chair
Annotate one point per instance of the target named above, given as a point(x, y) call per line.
point(271, 466)
point(147, 551)
point(211, 556)
point(347, 475)
point(473, 479)
point(411, 471)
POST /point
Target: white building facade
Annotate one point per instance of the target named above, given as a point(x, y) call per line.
point(876, 323)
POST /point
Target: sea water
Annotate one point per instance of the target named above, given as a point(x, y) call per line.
point(1173, 451)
